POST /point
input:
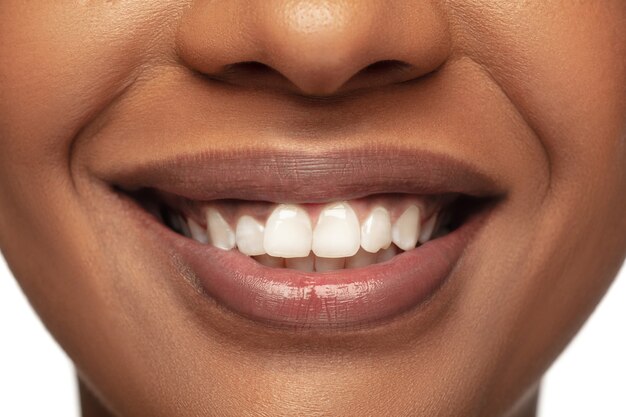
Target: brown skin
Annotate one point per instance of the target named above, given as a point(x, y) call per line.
point(535, 91)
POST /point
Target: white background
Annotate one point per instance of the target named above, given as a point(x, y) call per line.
point(36, 378)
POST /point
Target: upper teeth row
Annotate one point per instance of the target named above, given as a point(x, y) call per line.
point(288, 232)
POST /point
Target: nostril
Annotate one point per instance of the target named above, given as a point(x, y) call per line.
point(259, 75)
point(249, 67)
point(383, 72)
point(251, 74)
point(387, 66)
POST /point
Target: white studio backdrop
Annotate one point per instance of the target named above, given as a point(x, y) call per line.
point(37, 379)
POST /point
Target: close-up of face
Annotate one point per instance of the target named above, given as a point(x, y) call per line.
point(313, 207)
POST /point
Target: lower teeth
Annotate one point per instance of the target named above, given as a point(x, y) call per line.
point(313, 263)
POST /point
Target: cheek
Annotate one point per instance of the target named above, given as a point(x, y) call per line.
point(564, 67)
point(67, 62)
point(564, 70)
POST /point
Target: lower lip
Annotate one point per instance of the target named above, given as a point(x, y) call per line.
point(344, 298)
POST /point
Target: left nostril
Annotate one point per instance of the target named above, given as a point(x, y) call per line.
point(387, 66)
point(380, 73)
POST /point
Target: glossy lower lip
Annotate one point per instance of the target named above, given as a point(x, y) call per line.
point(341, 299)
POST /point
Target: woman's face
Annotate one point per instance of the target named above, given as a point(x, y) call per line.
point(516, 108)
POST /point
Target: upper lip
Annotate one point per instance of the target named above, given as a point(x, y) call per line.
point(204, 142)
point(267, 174)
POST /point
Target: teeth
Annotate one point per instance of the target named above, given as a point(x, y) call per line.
point(376, 230)
point(221, 234)
point(198, 232)
point(270, 261)
point(288, 232)
point(361, 259)
point(386, 254)
point(406, 229)
point(337, 233)
point(288, 240)
point(306, 264)
point(427, 229)
point(249, 236)
point(328, 264)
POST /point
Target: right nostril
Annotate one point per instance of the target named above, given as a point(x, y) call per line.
point(251, 74)
point(248, 73)
point(249, 67)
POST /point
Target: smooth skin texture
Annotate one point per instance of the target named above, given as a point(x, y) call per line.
point(532, 90)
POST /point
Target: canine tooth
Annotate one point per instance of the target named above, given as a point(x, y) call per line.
point(406, 229)
point(221, 234)
point(376, 230)
point(427, 229)
point(386, 254)
point(337, 233)
point(288, 232)
point(198, 232)
point(249, 236)
point(306, 264)
point(270, 261)
point(328, 264)
point(360, 259)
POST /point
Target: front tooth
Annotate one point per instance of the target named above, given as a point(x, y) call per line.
point(406, 229)
point(221, 234)
point(197, 232)
point(361, 259)
point(288, 232)
point(337, 233)
point(376, 230)
point(249, 236)
point(427, 229)
point(305, 264)
point(328, 264)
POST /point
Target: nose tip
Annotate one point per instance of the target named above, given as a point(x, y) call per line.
point(319, 46)
point(314, 47)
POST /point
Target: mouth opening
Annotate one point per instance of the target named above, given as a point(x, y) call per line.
point(314, 237)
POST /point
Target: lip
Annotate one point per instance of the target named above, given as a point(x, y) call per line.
point(301, 176)
point(349, 298)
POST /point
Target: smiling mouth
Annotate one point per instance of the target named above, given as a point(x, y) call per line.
point(309, 237)
point(303, 247)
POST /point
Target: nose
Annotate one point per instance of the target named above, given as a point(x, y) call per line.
point(314, 47)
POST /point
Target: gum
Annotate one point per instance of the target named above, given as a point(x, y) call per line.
point(232, 210)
